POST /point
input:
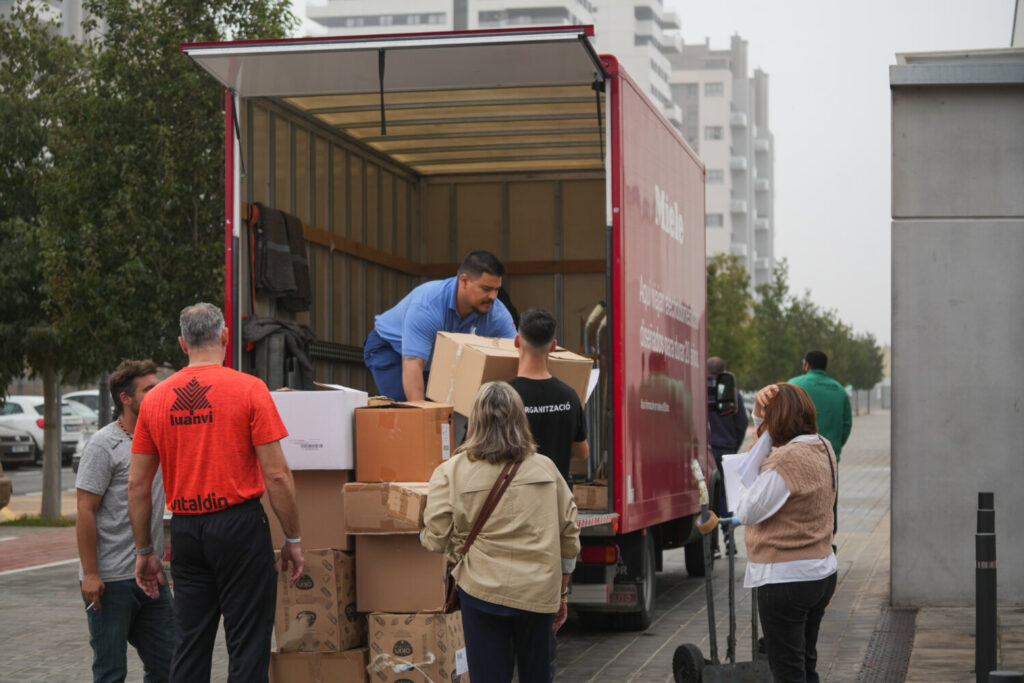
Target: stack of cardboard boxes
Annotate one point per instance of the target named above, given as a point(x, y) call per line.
point(402, 585)
point(363, 565)
point(320, 634)
point(369, 603)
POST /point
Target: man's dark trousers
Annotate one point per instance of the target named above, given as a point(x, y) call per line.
point(223, 563)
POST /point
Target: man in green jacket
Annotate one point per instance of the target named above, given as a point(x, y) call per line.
point(830, 400)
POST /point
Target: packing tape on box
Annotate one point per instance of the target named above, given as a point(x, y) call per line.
point(382, 662)
point(450, 396)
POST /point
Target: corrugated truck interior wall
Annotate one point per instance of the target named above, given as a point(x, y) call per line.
point(374, 230)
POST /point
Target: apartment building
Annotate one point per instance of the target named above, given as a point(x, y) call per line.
point(725, 119)
point(640, 34)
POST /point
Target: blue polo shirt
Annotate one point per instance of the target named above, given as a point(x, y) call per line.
point(412, 325)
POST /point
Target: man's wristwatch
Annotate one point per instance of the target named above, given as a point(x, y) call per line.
point(148, 550)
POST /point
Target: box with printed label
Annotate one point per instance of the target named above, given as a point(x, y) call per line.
point(397, 574)
point(319, 667)
point(402, 441)
point(366, 511)
point(421, 647)
point(318, 613)
point(320, 498)
point(590, 497)
point(407, 500)
point(463, 362)
point(319, 425)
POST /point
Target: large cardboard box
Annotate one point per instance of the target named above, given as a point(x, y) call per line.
point(463, 362)
point(320, 497)
point(319, 426)
point(402, 441)
point(319, 667)
point(366, 511)
point(318, 613)
point(397, 574)
point(590, 497)
point(406, 501)
point(432, 642)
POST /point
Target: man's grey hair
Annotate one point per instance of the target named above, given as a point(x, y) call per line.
point(201, 325)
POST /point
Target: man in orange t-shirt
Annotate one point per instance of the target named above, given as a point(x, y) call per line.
point(215, 434)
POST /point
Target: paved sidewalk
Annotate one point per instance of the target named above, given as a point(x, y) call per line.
point(43, 632)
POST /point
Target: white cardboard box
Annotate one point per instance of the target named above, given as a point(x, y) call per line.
point(320, 424)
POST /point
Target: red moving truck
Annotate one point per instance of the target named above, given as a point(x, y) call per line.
point(400, 153)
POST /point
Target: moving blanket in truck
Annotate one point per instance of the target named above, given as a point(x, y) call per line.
point(282, 270)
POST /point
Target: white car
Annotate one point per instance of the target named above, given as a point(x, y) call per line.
point(89, 397)
point(16, 447)
point(26, 413)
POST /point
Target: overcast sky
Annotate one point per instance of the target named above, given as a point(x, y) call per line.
point(829, 109)
point(828, 63)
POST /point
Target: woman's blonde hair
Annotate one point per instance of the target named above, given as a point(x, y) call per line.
point(498, 430)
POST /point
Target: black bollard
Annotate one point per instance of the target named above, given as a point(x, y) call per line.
point(985, 589)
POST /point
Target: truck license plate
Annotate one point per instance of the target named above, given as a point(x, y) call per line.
point(19, 449)
point(624, 595)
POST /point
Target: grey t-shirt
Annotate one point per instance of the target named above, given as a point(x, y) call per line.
point(103, 471)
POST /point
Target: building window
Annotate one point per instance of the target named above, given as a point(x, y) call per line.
point(713, 220)
point(714, 89)
point(713, 132)
point(715, 176)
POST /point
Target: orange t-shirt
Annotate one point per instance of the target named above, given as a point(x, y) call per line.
point(203, 423)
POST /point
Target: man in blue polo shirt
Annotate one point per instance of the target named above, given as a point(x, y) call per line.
point(398, 349)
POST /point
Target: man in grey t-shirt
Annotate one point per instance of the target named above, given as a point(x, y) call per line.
point(118, 611)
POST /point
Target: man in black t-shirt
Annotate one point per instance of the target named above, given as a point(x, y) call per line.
point(552, 407)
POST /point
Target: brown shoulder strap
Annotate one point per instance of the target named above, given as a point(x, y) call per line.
point(500, 485)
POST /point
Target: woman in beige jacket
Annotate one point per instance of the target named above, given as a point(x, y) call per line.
point(513, 580)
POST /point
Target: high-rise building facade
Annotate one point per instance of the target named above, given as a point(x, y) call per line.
point(725, 120)
point(640, 34)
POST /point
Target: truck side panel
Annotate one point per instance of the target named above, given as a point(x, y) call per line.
point(659, 312)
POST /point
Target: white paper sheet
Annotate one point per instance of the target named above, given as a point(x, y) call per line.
point(595, 374)
point(734, 488)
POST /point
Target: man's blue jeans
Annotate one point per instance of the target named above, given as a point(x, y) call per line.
point(385, 364)
point(127, 615)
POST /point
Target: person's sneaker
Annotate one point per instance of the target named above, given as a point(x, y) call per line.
point(717, 554)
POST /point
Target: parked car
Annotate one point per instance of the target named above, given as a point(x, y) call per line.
point(16, 447)
point(26, 413)
point(89, 397)
point(6, 488)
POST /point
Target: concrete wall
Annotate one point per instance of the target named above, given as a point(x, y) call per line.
point(958, 324)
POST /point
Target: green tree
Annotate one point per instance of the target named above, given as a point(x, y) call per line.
point(111, 205)
point(773, 338)
point(35, 62)
point(134, 208)
point(729, 313)
point(784, 327)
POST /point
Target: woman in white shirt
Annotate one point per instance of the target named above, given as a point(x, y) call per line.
point(789, 513)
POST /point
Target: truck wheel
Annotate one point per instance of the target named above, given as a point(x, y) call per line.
point(641, 619)
point(693, 553)
point(688, 664)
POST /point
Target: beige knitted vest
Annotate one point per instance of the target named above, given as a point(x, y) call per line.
point(802, 528)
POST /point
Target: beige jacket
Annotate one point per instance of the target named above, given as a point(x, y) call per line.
point(516, 559)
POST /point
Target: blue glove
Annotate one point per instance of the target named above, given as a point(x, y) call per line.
point(734, 521)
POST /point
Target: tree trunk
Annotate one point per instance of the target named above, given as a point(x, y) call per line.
point(51, 447)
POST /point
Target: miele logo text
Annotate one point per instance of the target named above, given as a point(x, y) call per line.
point(667, 216)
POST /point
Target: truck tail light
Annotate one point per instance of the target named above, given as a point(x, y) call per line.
point(39, 423)
point(599, 554)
